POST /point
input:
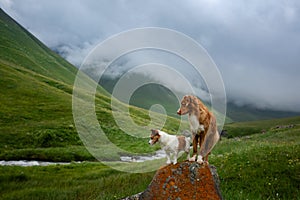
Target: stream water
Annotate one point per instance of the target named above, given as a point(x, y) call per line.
point(27, 163)
point(158, 154)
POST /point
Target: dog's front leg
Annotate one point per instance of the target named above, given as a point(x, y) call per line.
point(168, 157)
point(175, 157)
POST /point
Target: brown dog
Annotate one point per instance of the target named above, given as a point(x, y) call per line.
point(203, 126)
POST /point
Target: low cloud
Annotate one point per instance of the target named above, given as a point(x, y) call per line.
point(155, 66)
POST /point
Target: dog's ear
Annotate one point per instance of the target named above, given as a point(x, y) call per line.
point(186, 99)
point(157, 133)
point(154, 132)
point(191, 98)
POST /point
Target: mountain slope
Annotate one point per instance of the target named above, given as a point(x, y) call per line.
point(239, 129)
point(249, 113)
point(151, 94)
point(147, 95)
point(21, 48)
point(35, 86)
point(36, 102)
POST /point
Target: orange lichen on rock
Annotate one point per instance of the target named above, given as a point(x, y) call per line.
point(185, 180)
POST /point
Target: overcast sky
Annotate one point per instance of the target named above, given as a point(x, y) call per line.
point(255, 44)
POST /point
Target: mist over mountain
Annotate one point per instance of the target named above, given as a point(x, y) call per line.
point(151, 94)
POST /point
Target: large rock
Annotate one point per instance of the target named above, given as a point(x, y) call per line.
point(186, 180)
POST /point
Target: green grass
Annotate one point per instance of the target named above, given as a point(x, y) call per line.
point(260, 166)
point(55, 154)
point(74, 181)
point(269, 173)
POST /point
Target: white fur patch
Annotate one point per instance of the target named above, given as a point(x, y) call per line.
point(201, 127)
point(200, 159)
point(194, 124)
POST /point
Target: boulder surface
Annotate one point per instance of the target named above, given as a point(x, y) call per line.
point(185, 180)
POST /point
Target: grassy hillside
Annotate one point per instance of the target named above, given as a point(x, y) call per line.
point(21, 48)
point(249, 113)
point(36, 90)
point(247, 128)
point(36, 120)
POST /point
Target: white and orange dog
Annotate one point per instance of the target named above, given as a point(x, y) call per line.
point(171, 144)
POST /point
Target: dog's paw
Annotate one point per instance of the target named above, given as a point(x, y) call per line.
point(168, 162)
point(193, 159)
point(200, 160)
point(174, 162)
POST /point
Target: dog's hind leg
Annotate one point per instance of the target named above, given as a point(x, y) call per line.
point(187, 150)
point(201, 141)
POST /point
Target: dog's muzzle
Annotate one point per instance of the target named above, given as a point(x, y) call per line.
point(179, 112)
